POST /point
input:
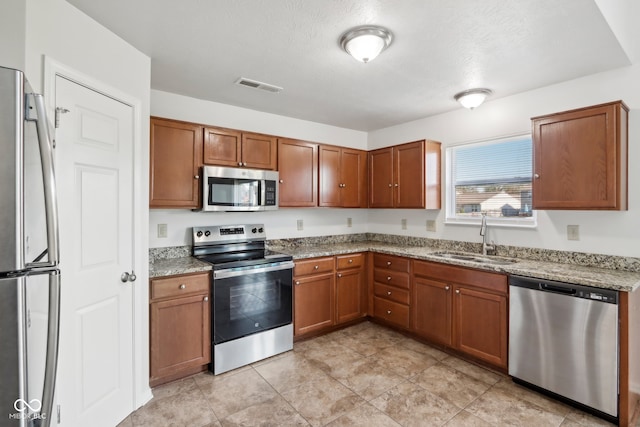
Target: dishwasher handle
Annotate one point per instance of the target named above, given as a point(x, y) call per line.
point(559, 289)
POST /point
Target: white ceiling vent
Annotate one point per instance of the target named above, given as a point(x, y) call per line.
point(242, 81)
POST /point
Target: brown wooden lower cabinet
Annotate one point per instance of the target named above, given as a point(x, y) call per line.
point(314, 297)
point(350, 281)
point(180, 328)
point(391, 285)
point(431, 317)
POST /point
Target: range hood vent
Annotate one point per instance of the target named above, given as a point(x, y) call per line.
point(243, 81)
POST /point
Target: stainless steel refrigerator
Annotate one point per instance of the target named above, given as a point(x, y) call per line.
point(29, 274)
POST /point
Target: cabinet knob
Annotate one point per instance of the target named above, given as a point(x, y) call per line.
point(350, 261)
point(388, 262)
point(183, 286)
point(281, 181)
point(244, 164)
point(388, 292)
point(206, 298)
point(297, 282)
point(316, 267)
point(457, 291)
point(339, 274)
point(395, 185)
point(536, 176)
point(446, 288)
point(197, 177)
point(388, 311)
point(390, 185)
point(388, 278)
point(239, 163)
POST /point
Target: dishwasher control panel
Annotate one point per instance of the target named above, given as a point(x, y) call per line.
point(569, 289)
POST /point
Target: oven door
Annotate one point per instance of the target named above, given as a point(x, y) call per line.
point(251, 299)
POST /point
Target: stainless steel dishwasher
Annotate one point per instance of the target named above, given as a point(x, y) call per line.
point(563, 338)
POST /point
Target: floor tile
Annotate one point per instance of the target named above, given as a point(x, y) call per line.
point(322, 401)
point(411, 405)
point(585, 419)
point(549, 404)
point(234, 393)
point(172, 388)
point(367, 341)
point(403, 361)
point(186, 408)
point(126, 422)
point(423, 348)
point(499, 408)
point(289, 372)
point(272, 413)
point(451, 385)
point(364, 416)
point(367, 378)
point(465, 419)
point(474, 371)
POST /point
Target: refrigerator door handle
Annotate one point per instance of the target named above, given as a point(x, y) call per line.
point(36, 101)
point(51, 363)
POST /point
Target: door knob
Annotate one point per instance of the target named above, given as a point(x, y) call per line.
point(128, 277)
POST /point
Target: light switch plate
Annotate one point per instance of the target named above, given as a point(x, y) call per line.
point(431, 225)
point(573, 232)
point(162, 231)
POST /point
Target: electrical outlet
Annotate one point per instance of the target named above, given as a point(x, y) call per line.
point(300, 225)
point(431, 225)
point(162, 231)
point(403, 222)
point(573, 232)
point(349, 222)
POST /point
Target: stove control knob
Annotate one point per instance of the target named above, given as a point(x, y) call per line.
point(254, 230)
point(207, 233)
point(260, 230)
point(199, 234)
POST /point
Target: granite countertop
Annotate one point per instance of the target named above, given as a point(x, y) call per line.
point(626, 281)
point(174, 266)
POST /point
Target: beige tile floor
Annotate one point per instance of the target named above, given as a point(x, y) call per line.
point(365, 375)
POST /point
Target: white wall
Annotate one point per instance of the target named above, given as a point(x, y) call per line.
point(61, 32)
point(279, 224)
point(13, 21)
point(614, 233)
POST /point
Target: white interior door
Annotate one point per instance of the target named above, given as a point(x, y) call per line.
point(94, 166)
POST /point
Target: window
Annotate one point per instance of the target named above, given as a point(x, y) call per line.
point(492, 177)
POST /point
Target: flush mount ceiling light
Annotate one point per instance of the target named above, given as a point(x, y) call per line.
point(472, 98)
point(366, 42)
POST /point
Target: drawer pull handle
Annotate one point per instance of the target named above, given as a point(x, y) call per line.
point(446, 288)
point(183, 286)
point(388, 311)
point(206, 298)
point(388, 292)
point(457, 291)
point(350, 261)
point(388, 278)
point(388, 262)
point(316, 267)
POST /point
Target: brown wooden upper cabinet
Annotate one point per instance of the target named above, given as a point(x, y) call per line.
point(176, 157)
point(405, 176)
point(580, 158)
point(343, 177)
point(228, 147)
point(298, 169)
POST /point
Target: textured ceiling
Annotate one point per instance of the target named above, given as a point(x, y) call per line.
point(199, 48)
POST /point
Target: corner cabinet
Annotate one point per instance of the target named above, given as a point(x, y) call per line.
point(405, 176)
point(343, 177)
point(580, 158)
point(175, 160)
point(461, 308)
point(180, 327)
point(228, 147)
point(298, 169)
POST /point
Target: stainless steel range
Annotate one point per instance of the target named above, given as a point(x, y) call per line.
point(252, 295)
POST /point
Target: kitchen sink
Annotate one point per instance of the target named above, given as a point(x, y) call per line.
point(475, 258)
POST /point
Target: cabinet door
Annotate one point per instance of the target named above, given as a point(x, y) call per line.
point(298, 168)
point(431, 310)
point(180, 335)
point(259, 151)
point(313, 303)
point(580, 159)
point(409, 182)
point(480, 325)
point(353, 171)
point(222, 147)
point(330, 184)
point(349, 288)
point(381, 178)
point(175, 159)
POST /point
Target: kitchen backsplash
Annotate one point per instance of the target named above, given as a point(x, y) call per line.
point(564, 257)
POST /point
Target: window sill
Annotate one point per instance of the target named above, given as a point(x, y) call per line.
point(494, 222)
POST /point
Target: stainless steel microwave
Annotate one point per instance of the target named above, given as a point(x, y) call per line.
point(238, 189)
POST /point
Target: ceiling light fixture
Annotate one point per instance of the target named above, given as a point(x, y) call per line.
point(472, 98)
point(366, 42)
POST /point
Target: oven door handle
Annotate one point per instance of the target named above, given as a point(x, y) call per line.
point(244, 271)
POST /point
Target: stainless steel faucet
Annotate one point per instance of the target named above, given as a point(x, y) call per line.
point(483, 233)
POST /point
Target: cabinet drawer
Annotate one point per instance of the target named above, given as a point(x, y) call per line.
point(391, 262)
point(349, 261)
point(391, 311)
point(394, 278)
point(313, 266)
point(466, 276)
point(177, 286)
point(391, 293)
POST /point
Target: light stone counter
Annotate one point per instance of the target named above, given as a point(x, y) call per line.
point(174, 266)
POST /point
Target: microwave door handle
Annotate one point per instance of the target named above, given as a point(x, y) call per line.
point(263, 193)
point(36, 101)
